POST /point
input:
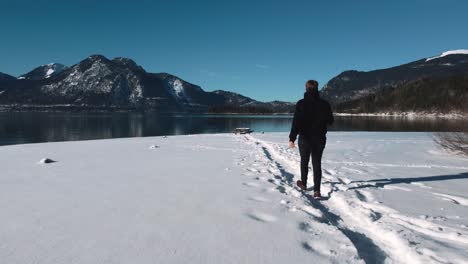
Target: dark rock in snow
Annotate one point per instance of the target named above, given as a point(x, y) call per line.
point(46, 161)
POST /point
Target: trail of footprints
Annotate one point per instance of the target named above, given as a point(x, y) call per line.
point(257, 176)
point(262, 169)
point(259, 171)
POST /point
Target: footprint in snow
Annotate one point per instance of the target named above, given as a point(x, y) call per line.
point(320, 248)
point(274, 181)
point(259, 199)
point(268, 190)
point(250, 184)
point(261, 217)
point(305, 227)
point(289, 206)
point(360, 196)
point(316, 213)
point(261, 178)
point(374, 215)
point(273, 171)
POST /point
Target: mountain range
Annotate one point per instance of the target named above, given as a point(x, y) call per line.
point(119, 84)
point(436, 84)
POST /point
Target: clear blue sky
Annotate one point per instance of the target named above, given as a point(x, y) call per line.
point(262, 49)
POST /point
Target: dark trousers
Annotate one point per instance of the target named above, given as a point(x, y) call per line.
point(311, 147)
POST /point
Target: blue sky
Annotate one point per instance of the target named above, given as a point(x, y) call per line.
point(262, 49)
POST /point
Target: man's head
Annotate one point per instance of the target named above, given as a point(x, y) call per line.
point(311, 85)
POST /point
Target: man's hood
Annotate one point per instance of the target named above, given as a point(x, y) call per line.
point(311, 95)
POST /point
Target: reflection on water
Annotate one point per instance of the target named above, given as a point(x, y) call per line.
point(17, 128)
point(394, 123)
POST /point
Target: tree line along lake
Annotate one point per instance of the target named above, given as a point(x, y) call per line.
point(35, 127)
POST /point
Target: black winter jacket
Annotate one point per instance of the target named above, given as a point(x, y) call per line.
point(311, 117)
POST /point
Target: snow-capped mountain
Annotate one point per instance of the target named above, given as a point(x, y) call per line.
point(98, 82)
point(43, 72)
point(353, 85)
point(450, 52)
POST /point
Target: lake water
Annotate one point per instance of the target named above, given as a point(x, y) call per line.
point(25, 127)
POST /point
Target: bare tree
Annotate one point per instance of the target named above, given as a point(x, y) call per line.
point(456, 142)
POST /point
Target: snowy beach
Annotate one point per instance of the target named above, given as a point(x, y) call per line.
point(224, 198)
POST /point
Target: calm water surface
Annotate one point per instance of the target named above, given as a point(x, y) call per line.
point(25, 127)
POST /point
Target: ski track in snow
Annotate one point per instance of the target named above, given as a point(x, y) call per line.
point(361, 225)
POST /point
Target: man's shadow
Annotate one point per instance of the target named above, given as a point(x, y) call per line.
point(380, 183)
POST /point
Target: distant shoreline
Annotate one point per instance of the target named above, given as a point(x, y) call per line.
point(454, 115)
point(64, 108)
point(81, 109)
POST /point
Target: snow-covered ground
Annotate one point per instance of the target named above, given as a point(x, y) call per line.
point(389, 197)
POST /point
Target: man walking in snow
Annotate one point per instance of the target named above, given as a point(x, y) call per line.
point(311, 118)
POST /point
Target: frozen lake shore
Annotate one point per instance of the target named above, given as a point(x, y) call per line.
point(223, 198)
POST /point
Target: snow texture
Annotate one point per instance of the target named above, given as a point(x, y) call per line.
point(224, 198)
point(177, 89)
point(450, 52)
point(49, 72)
point(52, 68)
